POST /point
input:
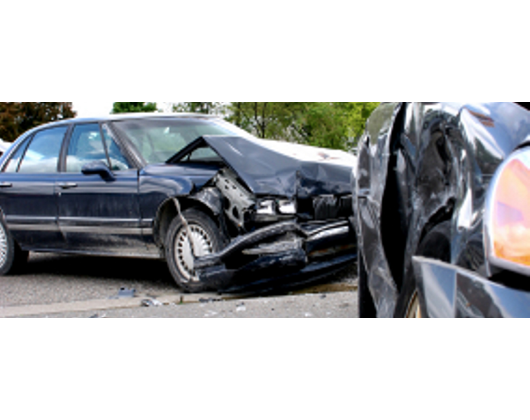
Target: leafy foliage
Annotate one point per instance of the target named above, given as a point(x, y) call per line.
point(271, 120)
point(335, 125)
point(125, 107)
point(200, 107)
point(18, 117)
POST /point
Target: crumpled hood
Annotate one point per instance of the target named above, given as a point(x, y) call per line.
point(285, 169)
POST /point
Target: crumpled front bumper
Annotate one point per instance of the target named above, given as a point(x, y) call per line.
point(447, 291)
point(283, 252)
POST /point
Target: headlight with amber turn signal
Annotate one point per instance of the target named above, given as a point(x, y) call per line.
point(507, 217)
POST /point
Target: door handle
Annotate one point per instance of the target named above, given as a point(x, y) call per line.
point(67, 185)
point(6, 184)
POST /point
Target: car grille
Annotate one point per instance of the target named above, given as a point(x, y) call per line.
point(332, 207)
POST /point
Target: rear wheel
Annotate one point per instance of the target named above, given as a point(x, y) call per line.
point(206, 239)
point(12, 258)
point(437, 245)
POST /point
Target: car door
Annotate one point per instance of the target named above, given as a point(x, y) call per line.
point(27, 190)
point(98, 210)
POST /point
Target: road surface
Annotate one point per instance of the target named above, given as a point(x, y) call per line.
point(92, 287)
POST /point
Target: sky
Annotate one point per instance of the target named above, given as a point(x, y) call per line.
point(95, 108)
point(92, 108)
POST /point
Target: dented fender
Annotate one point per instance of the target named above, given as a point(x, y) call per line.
point(421, 164)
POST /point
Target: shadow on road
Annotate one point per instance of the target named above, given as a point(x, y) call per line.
point(155, 273)
point(115, 268)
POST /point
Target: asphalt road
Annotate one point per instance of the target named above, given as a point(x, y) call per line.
point(74, 286)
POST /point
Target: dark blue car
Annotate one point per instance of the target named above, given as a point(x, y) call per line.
point(223, 208)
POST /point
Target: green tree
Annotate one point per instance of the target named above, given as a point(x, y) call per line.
point(357, 118)
point(322, 124)
point(125, 107)
point(335, 125)
point(272, 120)
point(18, 117)
point(216, 108)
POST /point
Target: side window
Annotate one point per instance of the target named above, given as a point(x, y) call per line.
point(14, 160)
point(85, 146)
point(42, 154)
point(118, 162)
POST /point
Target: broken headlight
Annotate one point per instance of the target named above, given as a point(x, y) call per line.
point(507, 219)
point(287, 207)
point(276, 207)
point(266, 208)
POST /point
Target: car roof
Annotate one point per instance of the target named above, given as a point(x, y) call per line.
point(131, 116)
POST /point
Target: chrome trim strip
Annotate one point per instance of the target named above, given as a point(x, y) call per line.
point(330, 232)
point(33, 220)
point(147, 255)
point(327, 226)
point(33, 227)
point(97, 221)
point(108, 230)
point(73, 225)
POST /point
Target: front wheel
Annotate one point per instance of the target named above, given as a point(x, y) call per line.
point(206, 238)
point(12, 258)
point(437, 245)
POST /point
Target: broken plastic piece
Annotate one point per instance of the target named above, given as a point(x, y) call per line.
point(125, 293)
point(151, 302)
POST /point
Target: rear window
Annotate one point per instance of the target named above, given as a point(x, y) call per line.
point(42, 155)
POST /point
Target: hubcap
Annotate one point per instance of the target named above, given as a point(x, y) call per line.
point(185, 259)
point(3, 246)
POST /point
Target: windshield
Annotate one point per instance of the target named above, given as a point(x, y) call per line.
point(158, 139)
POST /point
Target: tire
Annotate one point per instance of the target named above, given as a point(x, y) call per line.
point(437, 245)
point(12, 257)
point(207, 239)
point(364, 297)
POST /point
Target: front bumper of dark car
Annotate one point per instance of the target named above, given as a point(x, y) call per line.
point(447, 291)
point(284, 252)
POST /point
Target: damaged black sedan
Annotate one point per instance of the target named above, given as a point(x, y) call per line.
point(442, 203)
point(223, 208)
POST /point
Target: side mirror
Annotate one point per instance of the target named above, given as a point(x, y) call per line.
point(98, 168)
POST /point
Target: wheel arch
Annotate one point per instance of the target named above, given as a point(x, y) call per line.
point(424, 183)
point(13, 235)
point(168, 211)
